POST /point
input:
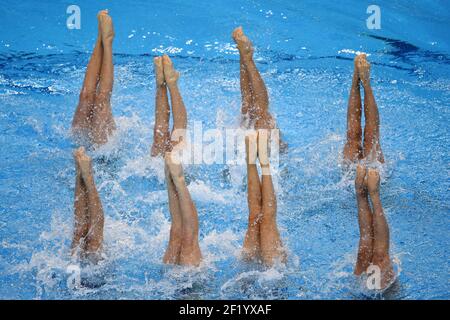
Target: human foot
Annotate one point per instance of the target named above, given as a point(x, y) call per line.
point(159, 70)
point(84, 164)
point(170, 74)
point(243, 42)
point(373, 181)
point(99, 14)
point(106, 26)
point(363, 67)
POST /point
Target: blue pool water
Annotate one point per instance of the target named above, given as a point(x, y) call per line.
point(304, 50)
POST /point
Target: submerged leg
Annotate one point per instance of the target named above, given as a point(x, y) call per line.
point(82, 118)
point(372, 148)
point(365, 248)
point(102, 119)
point(94, 238)
point(190, 250)
point(381, 256)
point(353, 148)
point(271, 245)
point(81, 225)
point(252, 242)
point(162, 112)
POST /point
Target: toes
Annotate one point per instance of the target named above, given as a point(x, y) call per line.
point(167, 61)
point(157, 61)
point(373, 174)
point(237, 32)
point(79, 151)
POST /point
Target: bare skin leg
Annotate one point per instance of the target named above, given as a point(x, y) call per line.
point(81, 122)
point(353, 148)
point(271, 245)
point(381, 256)
point(179, 113)
point(190, 250)
point(260, 97)
point(365, 248)
point(102, 119)
point(81, 226)
point(371, 147)
point(247, 109)
point(161, 142)
point(94, 237)
point(161, 137)
point(172, 255)
point(255, 99)
point(182, 204)
point(252, 242)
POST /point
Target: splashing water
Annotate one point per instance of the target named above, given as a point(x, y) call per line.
point(307, 65)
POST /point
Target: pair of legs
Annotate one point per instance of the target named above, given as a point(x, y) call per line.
point(89, 219)
point(262, 240)
point(93, 117)
point(374, 231)
point(183, 247)
point(255, 99)
point(370, 148)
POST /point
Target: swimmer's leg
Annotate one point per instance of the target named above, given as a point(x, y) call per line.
point(353, 148)
point(162, 112)
point(172, 255)
point(102, 120)
point(179, 113)
point(94, 239)
point(190, 250)
point(259, 107)
point(252, 243)
point(365, 248)
point(247, 109)
point(381, 256)
point(271, 245)
point(82, 119)
point(371, 147)
point(81, 225)
point(258, 88)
